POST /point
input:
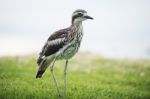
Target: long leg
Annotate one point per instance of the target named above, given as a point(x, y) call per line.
point(65, 74)
point(55, 81)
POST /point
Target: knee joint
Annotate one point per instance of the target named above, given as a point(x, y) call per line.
point(65, 73)
point(51, 69)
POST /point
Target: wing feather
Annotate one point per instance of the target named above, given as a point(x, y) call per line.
point(54, 43)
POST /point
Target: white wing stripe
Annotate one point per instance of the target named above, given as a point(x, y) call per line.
point(56, 41)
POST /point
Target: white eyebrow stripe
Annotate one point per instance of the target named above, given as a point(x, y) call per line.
point(76, 13)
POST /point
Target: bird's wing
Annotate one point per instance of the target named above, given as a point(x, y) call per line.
point(54, 43)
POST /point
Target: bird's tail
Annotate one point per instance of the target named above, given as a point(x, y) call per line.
point(43, 65)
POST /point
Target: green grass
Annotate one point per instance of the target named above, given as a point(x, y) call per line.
point(89, 77)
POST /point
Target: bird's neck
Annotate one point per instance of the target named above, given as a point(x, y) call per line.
point(77, 23)
point(76, 26)
point(77, 31)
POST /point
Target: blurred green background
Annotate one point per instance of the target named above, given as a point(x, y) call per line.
point(89, 76)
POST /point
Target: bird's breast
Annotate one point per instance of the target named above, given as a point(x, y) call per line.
point(70, 49)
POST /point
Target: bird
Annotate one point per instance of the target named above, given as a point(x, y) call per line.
point(62, 45)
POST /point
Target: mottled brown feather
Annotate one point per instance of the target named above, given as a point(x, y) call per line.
point(49, 49)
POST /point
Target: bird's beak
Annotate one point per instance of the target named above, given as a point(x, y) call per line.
point(88, 17)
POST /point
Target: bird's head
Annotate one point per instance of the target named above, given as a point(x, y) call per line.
point(79, 16)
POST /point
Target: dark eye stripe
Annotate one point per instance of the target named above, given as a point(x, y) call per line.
point(80, 14)
point(74, 17)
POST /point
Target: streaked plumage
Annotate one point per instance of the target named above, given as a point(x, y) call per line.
point(62, 44)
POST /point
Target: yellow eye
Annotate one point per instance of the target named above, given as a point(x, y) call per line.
point(80, 14)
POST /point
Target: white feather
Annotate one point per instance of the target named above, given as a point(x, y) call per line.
point(56, 41)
